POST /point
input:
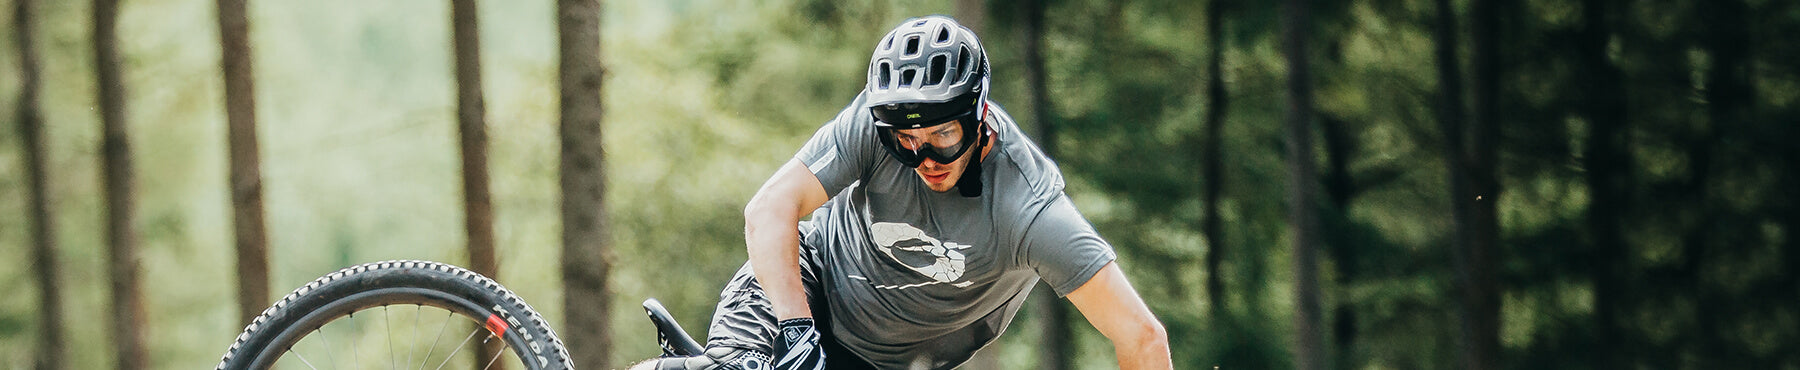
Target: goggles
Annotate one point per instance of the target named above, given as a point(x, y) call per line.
point(942, 143)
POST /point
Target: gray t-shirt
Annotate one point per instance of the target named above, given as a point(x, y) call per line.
point(921, 279)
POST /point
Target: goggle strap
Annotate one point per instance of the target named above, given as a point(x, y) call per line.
point(970, 183)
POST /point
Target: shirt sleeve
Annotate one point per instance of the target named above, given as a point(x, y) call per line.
point(1063, 247)
point(843, 151)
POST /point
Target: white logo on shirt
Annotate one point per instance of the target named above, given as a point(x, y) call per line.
point(941, 261)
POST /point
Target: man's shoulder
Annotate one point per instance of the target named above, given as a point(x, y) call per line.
point(1020, 165)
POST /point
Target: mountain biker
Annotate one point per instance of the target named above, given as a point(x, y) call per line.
point(896, 270)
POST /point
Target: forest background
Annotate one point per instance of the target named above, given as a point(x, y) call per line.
point(1630, 155)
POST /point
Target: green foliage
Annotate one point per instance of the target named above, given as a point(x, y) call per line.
point(706, 98)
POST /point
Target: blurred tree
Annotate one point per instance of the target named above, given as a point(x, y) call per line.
point(1344, 252)
point(1482, 294)
point(51, 349)
point(1471, 342)
point(251, 241)
point(1056, 348)
point(471, 118)
point(1031, 44)
point(1607, 178)
point(1692, 109)
point(1547, 258)
point(972, 14)
point(1120, 84)
point(1732, 234)
point(121, 198)
point(586, 236)
point(1309, 351)
point(1726, 94)
point(1212, 173)
point(1360, 173)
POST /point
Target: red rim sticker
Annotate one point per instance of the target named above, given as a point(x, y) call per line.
point(496, 325)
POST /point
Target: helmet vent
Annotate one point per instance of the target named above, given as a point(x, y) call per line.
point(967, 66)
point(906, 77)
point(943, 35)
point(912, 46)
point(887, 77)
point(937, 69)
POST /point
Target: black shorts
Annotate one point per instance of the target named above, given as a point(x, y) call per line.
point(744, 328)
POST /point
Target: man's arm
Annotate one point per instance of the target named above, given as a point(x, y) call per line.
point(1113, 307)
point(772, 235)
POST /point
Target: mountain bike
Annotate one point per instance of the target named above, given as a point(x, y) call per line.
point(298, 331)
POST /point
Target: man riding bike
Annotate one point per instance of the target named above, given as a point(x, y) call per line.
point(894, 269)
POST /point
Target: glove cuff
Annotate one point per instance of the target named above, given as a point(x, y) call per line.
point(808, 321)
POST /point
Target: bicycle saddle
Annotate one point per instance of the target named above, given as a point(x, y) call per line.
point(674, 341)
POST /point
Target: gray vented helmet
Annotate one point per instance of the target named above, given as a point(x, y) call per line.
point(927, 71)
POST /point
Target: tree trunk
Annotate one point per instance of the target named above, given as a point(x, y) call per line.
point(1462, 197)
point(1483, 296)
point(972, 14)
point(1727, 90)
point(127, 300)
point(585, 254)
point(50, 354)
point(1789, 216)
point(246, 161)
point(471, 112)
point(1056, 347)
point(1036, 77)
point(1213, 174)
point(1605, 159)
point(1309, 352)
point(1339, 188)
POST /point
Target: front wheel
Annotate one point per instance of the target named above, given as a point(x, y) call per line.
point(381, 314)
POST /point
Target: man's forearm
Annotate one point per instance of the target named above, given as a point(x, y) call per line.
point(774, 249)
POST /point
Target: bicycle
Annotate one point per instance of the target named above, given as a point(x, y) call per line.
point(334, 300)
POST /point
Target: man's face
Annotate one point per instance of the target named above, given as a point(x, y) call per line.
point(940, 177)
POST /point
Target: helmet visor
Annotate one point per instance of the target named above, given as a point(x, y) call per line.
point(942, 143)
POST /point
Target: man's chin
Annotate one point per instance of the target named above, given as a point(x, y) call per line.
point(940, 187)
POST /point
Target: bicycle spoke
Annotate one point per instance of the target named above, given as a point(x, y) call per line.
point(459, 347)
point(303, 360)
point(327, 343)
point(417, 311)
point(497, 354)
point(434, 341)
point(389, 324)
point(355, 349)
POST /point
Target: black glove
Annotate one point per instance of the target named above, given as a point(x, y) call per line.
point(798, 346)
